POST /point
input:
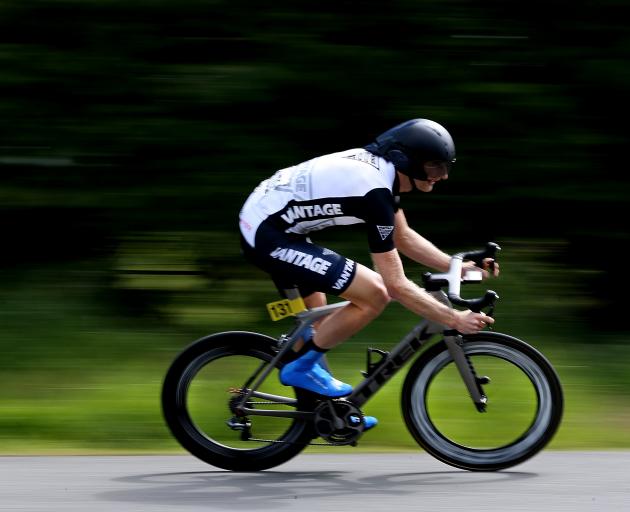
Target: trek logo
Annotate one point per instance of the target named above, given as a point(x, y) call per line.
point(301, 259)
point(384, 231)
point(310, 211)
point(345, 275)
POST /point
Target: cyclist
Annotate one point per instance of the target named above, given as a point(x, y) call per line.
point(360, 185)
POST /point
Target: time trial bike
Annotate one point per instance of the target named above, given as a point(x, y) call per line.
point(483, 402)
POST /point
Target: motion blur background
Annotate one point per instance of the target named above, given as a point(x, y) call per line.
point(131, 133)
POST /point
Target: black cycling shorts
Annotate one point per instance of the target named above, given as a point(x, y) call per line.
point(293, 260)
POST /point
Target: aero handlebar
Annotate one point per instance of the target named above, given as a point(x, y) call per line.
point(453, 278)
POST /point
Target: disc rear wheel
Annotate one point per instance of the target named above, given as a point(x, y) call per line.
point(200, 394)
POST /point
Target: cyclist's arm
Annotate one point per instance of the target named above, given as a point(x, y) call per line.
point(419, 249)
point(416, 247)
point(419, 301)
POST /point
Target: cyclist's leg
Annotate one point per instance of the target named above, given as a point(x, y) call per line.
point(368, 297)
point(295, 261)
point(292, 260)
point(315, 300)
point(312, 300)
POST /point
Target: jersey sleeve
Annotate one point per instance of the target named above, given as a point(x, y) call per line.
point(379, 219)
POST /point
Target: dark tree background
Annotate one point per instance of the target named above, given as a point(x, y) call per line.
point(119, 118)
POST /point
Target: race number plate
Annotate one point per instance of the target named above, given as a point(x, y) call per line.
point(283, 308)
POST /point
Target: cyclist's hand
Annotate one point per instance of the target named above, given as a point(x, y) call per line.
point(471, 323)
point(490, 267)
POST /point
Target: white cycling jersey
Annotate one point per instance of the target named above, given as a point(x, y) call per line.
point(348, 187)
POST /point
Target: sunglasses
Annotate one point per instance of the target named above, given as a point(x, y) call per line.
point(437, 168)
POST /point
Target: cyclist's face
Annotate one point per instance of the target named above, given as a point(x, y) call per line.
point(435, 171)
point(426, 186)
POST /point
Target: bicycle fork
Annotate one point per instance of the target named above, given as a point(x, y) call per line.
point(455, 345)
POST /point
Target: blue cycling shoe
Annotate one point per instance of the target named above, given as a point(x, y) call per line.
point(306, 373)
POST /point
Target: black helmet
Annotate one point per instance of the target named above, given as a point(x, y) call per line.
point(412, 144)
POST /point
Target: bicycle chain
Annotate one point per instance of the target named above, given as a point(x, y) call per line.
point(287, 442)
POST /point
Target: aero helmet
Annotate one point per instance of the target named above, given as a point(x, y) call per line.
point(412, 144)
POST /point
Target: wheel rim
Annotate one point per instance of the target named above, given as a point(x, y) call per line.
point(203, 399)
point(469, 449)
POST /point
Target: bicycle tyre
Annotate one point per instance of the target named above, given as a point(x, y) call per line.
point(176, 406)
point(509, 351)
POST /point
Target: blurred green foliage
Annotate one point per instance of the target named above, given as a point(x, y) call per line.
point(131, 133)
point(84, 355)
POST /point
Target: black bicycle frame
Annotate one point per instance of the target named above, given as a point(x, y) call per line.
point(377, 375)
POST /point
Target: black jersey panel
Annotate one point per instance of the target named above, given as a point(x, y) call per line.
point(379, 220)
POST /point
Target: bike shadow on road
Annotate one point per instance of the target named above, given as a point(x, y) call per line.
point(257, 490)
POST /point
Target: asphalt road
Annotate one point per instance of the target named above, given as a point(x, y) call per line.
point(552, 481)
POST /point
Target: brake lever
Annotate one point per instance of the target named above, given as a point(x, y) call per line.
point(478, 257)
point(490, 313)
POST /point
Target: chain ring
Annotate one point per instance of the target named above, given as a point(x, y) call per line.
point(338, 421)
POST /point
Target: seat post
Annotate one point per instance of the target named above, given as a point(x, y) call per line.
point(296, 302)
point(292, 293)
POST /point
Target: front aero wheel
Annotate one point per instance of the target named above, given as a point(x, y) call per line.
point(201, 388)
point(523, 411)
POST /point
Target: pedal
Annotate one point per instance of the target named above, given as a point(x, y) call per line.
point(236, 423)
point(373, 366)
point(241, 425)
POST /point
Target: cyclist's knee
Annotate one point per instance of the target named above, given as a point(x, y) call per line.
point(375, 306)
point(368, 292)
point(315, 299)
point(379, 297)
